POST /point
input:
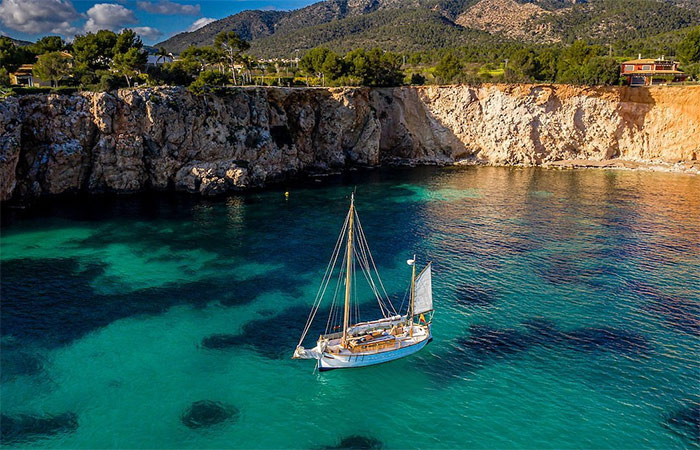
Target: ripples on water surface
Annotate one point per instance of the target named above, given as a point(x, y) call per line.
point(568, 315)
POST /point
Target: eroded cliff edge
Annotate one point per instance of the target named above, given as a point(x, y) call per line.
point(165, 138)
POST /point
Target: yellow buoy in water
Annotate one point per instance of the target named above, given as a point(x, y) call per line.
point(286, 194)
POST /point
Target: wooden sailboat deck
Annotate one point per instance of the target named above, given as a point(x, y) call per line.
point(373, 342)
point(378, 342)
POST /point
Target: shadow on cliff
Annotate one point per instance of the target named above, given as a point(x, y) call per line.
point(56, 156)
point(410, 132)
point(635, 104)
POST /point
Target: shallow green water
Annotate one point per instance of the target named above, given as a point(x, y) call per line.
point(568, 314)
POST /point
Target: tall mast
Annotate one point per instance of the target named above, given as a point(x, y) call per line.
point(348, 269)
point(413, 294)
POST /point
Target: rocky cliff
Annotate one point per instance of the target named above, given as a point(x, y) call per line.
point(168, 138)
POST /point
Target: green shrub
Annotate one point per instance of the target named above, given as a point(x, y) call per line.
point(417, 79)
point(22, 90)
point(207, 80)
point(109, 81)
point(449, 69)
point(4, 77)
point(601, 70)
point(693, 71)
point(65, 90)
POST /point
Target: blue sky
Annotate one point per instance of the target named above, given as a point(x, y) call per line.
point(154, 20)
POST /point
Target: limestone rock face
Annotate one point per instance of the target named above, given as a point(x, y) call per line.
point(10, 139)
point(537, 124)
point(168, 138)
point(211, 178)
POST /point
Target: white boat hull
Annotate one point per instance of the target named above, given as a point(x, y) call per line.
point(330, 361)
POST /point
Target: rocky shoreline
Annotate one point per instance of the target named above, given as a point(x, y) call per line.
point(169, 139)
point(689, 167)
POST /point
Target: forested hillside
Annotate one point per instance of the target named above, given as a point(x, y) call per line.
point(415, 25)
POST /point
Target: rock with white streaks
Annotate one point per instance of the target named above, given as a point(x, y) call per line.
point(168, 138)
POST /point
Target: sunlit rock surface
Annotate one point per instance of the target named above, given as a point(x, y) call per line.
point(168, 138)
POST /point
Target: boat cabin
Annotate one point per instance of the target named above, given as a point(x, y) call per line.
point(372, 342)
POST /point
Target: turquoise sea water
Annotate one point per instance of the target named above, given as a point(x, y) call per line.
point(568, 315)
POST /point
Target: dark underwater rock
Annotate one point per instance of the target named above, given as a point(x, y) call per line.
point(487, 340)
point(543, 331)
point(357, 442)
point(561, 269)
point(469, 295)
point(484, 339)
point(686, 422)
point(16, 360)
point(73, 307)
point(206, 413)
point(68, 282)
point(221, 341)
point(272, 336)
point(606, 338)
point(484, 345)
point(24, 428)
point(681, 313)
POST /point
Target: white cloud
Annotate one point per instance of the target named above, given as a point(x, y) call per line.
point(108, 16)
point(147, 33)
point(168, 7)
point(39, 16)
point(199, 23)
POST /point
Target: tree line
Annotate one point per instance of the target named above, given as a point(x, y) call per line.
point(359, 67)
point(105, 60)
point(578, 63)
point(100, 60)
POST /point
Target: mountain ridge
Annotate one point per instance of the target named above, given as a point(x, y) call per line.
point(413, 25)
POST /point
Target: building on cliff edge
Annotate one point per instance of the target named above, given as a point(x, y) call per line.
point(24, 75)
point(647, 72)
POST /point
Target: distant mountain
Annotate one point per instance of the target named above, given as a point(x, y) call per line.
point(249, 25)
point(253, 25)
point(410, 25)
point(18, 42)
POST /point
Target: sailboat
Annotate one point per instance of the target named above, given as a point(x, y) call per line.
point(352, 342)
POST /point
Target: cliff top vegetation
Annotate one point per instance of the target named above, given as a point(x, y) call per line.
point(105, 60)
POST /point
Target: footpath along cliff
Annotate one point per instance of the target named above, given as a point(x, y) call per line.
point(168, 138)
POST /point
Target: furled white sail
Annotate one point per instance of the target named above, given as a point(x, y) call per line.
point(424, 292)
point(311, 353)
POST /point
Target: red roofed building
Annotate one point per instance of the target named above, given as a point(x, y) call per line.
point(646, 72)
